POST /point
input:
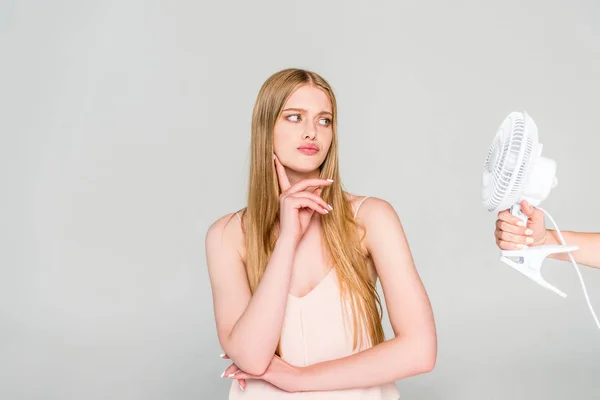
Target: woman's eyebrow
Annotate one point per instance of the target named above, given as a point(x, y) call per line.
point(305, 111)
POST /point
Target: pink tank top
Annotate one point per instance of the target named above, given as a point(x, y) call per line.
point(315, 330)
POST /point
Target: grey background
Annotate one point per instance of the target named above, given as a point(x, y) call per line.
point(125, 132)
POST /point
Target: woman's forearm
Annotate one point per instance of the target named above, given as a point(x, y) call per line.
point(387, 362)
point(589, 247)
point(253, 340)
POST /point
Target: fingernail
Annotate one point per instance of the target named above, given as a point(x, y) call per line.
point(223, 374)
point(330, 180)
point(520, 223)
point(231, 375)
point(241, 386)
point(528, 232)
point(331, 208)
point(529, 240)
point(222, 355)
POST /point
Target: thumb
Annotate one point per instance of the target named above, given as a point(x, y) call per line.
point(527, 208)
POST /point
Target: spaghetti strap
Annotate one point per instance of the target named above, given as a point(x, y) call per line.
point(358, 207)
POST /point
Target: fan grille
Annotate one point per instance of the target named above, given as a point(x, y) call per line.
point(507, 164)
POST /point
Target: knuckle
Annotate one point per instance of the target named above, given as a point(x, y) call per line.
point(522, 239)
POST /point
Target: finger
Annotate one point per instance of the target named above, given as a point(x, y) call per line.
point(508, 245)
point(527, 208)
point(241, 375)
point(503, 212)
point(284, 182)
point(305, 202)
point(511, 237)
point(511, 219)
point(314, 197)
point(224, 356)
point(317, 192)
point(508, 227)
point(313, 189)
point(242, 383)
point(229, 371)
point(306, 183)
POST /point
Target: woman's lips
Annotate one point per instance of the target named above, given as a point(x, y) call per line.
point(308, 150)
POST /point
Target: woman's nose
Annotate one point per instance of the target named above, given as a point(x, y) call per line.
point(311, 131)
point(310, 135)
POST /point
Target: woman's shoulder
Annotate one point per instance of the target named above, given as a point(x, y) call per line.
point(366, 208)
point(227, 230)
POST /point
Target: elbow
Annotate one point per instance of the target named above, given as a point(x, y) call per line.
point(249, 361)
point(253, 365)
point(428, 359)
point(427, 356)
point(427, 364)
point(256, 369)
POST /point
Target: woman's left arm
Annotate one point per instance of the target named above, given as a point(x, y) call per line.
point(413, 350)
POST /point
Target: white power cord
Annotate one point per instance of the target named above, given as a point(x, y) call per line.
point(562, 240)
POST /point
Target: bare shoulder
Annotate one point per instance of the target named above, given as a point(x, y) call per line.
point(226, 233)
point(369, 209)
point(379, 219)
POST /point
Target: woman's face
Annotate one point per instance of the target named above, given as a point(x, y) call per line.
point(303, 133)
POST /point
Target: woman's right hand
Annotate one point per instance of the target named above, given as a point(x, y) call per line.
point(512, 234)
point(297, 205)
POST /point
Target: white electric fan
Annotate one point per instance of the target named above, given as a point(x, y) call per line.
point(514, 171)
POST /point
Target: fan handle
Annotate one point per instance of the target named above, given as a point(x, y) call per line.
point(518, 212)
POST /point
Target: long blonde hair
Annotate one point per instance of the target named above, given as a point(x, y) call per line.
point(339, 229)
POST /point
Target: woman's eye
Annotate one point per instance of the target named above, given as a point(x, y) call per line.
point(298, 117)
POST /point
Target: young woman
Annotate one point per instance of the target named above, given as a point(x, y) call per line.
point(293, 275)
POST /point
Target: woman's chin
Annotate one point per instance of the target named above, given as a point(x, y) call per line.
point(304, 167)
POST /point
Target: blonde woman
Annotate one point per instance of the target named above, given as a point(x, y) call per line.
point(293, 275)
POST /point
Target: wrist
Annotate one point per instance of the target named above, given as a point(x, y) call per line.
point(541, 241)
point(287, 240)
point(304, 379)
point(551, 238)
